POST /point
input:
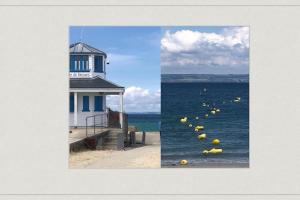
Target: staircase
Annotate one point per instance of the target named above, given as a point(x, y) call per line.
point(114, 140)
point(105, 135)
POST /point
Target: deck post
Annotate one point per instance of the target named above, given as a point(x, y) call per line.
point(121, 109)
point(75, 109)
point(144, 138)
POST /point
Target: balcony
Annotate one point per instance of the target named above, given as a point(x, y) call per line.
point(80, 70)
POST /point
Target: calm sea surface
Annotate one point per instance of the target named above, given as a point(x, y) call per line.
point(145, 122)
point(230, 126)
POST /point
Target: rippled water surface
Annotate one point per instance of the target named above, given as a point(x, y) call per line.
point(231, 125)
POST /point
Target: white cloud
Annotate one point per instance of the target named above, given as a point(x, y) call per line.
point(187, 40)
point(137, 99)
point(200, 51)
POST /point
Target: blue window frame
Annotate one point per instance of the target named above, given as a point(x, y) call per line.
point(71, 103)
point(72, 63)
point(84, 66)
point(99, 64)
point(79, 63)
point(85, 104)
point(98, 103)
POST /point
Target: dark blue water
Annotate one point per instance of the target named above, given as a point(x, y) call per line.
point(145, 122)
point(231, 125)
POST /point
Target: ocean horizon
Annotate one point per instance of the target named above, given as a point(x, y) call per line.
point(205, 78)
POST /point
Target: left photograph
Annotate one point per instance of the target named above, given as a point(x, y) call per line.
point(114, 97)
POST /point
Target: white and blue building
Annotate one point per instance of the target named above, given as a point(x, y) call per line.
point(89, 86)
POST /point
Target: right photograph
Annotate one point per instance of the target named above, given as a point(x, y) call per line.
point(205, 97)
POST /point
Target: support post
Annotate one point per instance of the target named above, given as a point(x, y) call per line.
point(121, 110)
point(75, 109)
point(144, 138)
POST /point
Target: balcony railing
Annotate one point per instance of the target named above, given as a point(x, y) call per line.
point(81, 70)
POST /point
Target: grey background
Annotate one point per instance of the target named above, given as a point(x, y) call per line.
point(34, 101)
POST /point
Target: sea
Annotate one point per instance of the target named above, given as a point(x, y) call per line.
point(230, 125)
point(149, 122)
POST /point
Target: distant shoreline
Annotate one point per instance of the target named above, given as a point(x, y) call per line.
point(143, 113)
point(205, 78)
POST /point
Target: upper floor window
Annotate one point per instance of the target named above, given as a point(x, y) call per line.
point(98, 64)
point(79, 63)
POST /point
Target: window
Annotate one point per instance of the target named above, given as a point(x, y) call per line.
point(98, 103)
point(99, 64)
point(79, 63)
point(83, 63)
point(72, 63)
point(85, 104)
point(71, 103)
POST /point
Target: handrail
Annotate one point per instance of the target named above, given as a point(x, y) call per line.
point(103, 123)
point(107, 122)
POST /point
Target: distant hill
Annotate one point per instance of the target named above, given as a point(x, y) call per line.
point(205, 78)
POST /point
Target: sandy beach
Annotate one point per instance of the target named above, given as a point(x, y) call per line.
point(139, 156)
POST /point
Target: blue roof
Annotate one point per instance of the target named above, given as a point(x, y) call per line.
point(82, 48)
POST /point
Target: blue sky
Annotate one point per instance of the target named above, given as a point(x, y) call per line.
point(133, 52)
point(134, 55)
point(205, 50)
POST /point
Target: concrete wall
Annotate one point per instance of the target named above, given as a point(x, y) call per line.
point(81, 116)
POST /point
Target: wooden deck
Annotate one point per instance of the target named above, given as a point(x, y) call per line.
point(79, 134)
point(100, 139)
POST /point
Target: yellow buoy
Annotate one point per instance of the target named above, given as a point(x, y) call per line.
point(190, 125)
point(199, 128)
point(183, 120)
point(206, 115)
point(205, 152)
point(215, 151)
point(216, 141)
point(183, 162)
point(202, 136)
point(213, 112)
